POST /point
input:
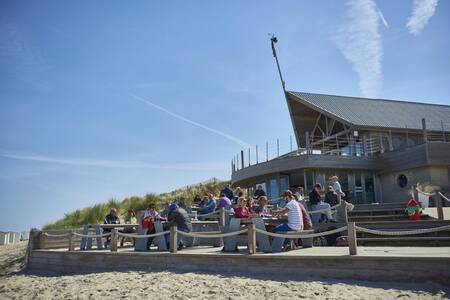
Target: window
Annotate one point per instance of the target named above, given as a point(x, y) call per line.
point(402, 180)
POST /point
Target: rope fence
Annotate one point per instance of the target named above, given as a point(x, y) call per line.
point(444, 198)
point(56, 235)
point(92, 235)
point(143, 236)
point(406, 232)
point(213, 235)
point(301, 235)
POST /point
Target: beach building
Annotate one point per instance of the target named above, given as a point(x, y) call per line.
point(378, 148)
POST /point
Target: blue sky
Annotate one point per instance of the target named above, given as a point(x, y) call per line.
point(103, 99)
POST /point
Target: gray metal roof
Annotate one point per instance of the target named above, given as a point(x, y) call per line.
point(378, 112)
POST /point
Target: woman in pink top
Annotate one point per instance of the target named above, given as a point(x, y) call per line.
point(242, 211)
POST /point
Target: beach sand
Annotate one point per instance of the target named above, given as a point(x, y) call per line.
point(16, 284)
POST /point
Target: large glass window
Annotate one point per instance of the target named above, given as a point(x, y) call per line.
point(284, 183)
point(274, 191)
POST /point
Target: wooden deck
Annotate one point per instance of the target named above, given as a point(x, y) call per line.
point(412, 264)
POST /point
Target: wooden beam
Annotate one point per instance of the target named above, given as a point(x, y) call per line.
point(331, 137)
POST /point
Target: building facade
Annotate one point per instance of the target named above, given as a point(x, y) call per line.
point(378, 148)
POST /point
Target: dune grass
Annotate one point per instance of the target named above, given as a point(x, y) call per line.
point(97, 212)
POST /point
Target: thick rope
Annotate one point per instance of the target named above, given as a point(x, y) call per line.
point(443, 197)
point(400, 233)
point(216, 212)
point(209, 235)
point(301, 235)
point(56, 235)
point(143, 236)
point(92, 236)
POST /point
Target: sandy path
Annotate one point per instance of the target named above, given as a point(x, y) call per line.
point(169, 285)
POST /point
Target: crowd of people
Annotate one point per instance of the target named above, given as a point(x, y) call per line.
point(293, 207)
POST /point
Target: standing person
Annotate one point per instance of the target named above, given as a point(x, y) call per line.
point(178, 217)
point(259, 192)
point(337, 188)
point(316, 203)
point(228, 192)
point(294, 214)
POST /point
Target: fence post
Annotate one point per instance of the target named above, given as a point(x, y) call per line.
point(439, 201)
point(242, 159)
point(222, 216)
point(71, 244)
point(251, 234)
point(173, 239)
point(352, 243)
point(114, 233)
point(341, 211)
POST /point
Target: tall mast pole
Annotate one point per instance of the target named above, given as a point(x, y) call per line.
point(273, 41)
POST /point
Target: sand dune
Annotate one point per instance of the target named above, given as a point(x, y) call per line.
point(169, 285)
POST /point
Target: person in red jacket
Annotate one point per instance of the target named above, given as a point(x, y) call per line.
point(242, 211)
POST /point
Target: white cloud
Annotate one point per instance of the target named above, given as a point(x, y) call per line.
point(360, 42)
point(121, 164)
point(423, 10)
point(385, 23)
point(179, 117)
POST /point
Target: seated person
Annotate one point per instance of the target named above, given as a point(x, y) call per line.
point(197, 200)
point(179, 217)
point(129, 219)
point(262, 208)
point(259, 192)
point(294, 214)
point(242, 211)
point(111, 218)
point(300, 194)
point(208, 206)
point(331, 197)
point(224, 202)
point(316, 203)
point(150, 217)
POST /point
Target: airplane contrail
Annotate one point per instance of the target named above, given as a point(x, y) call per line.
point(218, 132)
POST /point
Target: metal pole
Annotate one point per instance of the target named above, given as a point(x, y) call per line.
point(249, 156)
point(273, 41)
point(242, 159)
point(267, 151)
point(290, 140)
point(278, 148)
point(424, 130)
point(256, 154)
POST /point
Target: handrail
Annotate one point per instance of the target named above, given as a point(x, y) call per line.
point(400, 233)
point(300, 235)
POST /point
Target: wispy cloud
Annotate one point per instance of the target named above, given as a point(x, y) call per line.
point(360, 42)
point(380, 14)
point(179, 117)
point(120, 164)
point(423, 10)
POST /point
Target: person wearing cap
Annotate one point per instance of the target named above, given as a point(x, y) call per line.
point(178, 217)
point(294, 214)
point(331, 197)
point(316, 203)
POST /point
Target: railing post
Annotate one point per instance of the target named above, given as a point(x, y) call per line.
point(278, 147)
point(267, 151)
point(242, 159)
point(424, 130)
point(114, 233)
point(71, 244)
point(251, 234)
point(341, 211)
point(256, 154)
point(352, 242)
point(173, 239)
point(222, 216)
point(439, 200)
point(249, 156)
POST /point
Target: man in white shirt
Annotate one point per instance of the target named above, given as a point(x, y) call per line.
point(294, 214)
